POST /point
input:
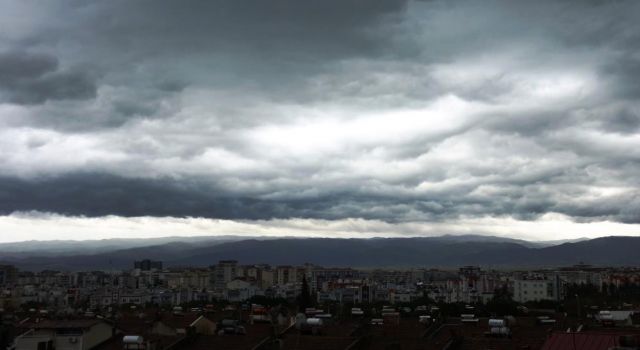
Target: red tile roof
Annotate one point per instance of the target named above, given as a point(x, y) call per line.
point(583, 341)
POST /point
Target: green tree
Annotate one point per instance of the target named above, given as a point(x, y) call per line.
point(502, 303)
point(6, 331)
point(304, 299)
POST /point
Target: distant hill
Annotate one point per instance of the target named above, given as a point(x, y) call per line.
point(444, 251)
point(72, 247)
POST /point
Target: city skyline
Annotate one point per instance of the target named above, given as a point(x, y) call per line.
point(343, 119)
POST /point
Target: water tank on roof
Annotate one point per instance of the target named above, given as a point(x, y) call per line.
point(605, 315)
point(496, 322)
point(499, 330)
point(316, 322)
point(229, 323)
point(377, 321)
point(133, 339)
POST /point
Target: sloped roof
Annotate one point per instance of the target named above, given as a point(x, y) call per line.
point(583, 341)
point(255, 334)
point(180, 321)
point(59, 324)
point(133, 325)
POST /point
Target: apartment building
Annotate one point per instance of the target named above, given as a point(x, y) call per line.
point(536, 289)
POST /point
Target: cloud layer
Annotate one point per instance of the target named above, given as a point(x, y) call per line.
point(393, 112)
point(46, 226)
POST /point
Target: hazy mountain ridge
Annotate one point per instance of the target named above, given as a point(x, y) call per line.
point(73, 247)
point(377, 252)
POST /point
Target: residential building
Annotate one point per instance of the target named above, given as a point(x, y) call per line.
point(64, 335)
point(536, 289)
point(147, 265)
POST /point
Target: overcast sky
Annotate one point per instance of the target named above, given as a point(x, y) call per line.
point(341, 118)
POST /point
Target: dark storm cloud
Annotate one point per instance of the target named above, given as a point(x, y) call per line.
point(624, 121)
point(94, 195)
point(236, 42)
point(623, 73)
point(284, 28)
point(98, 195)
point(391, 110)
point(36, 78)
point(151, 50)
point(56, 86)
point(15, 66)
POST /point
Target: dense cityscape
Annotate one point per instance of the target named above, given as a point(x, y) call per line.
point(234, 306)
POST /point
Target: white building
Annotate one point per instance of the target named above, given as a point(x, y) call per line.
point(239, 290)
point(64, 335)
point(223, 273)
point(535, 290)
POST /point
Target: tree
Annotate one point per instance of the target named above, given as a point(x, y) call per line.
point(6, 331)
point(502, 303)
point(304, 299)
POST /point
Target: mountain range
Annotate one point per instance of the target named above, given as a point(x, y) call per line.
point(442, 251)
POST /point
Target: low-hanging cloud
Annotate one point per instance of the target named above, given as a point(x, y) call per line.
point(36, 78)
point(391, 111)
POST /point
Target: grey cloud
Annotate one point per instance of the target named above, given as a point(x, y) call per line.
point(99, 195)
point(234, 42)
point(312, 26)
point(624, 121)
point(171, 85)
point(55, 86)
point(548, 92)
point(623, 73)
point(94, 194)
point(36, 78)
point(262, 50)
point(15, 66)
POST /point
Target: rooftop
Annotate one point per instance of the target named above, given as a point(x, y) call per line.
point(596, 340)
point(62, 324)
